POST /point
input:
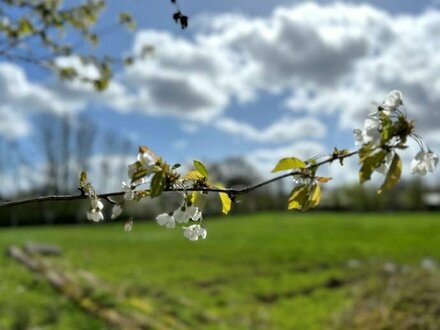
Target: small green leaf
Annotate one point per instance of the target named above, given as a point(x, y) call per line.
point(298, 198)
point(141, 194)
point(288, 164)
point(146, 50)
point(369, 164)
point(67, 73)
point(25, 26)
point(393, 175)
point(201, 168)
point(127, 20)
point(101, 84)
point(323, 179)
point(83, 179)
point(226, 202)
point(157, 184)
point(129, 60)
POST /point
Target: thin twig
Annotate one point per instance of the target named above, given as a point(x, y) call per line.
point(232, 192)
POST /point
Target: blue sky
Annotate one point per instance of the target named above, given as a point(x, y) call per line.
point(252, 78)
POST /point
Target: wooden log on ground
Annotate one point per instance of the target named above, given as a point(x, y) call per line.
point(43, 249)
point(63, 283)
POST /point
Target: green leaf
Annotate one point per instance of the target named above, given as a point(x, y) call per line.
point(323, 179)
point(314, 196)
point(298, 198)
point(82, 179)
point(226, 202)
point(288, 164)
point(201, 168)
point(101, 84)
point(369, 164)
point(67, 73)
point(387, 131)
point(157, 184)
point(195, 197)
point(305, 197)
point(139, 174)
point(25, 27)
point(364, 152)
point(127, 20)
point(393, 175)
point(193, 175)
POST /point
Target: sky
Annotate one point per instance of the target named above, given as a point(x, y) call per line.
point(250, 78)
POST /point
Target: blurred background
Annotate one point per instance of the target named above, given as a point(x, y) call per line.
point(248, 83)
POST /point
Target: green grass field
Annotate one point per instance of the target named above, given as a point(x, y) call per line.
point(265, 271)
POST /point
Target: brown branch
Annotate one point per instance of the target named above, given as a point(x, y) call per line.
point(230, 191)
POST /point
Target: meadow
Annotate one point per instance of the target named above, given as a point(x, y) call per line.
point(265, 271)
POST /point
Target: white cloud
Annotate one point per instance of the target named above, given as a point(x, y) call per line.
point(334, 58)
point(281, 131)
point(22, 97)
point(13, 124)
point(27, 96)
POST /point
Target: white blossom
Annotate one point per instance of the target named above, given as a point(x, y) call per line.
point(358, 137)
point(185, 213)
point(145, 162)
point(128, 226)
point(370, 133)
point(116, 211)
point(128, 192)
point(424, 162)
point(95, 203)
point(392, 101)
point(146, 159)
point(166, 220)
point(180, 215)
point(194, 231)
point(95, 216)
point(299, 179)
point(194, 213)
point(95, 212)
point(132, 168)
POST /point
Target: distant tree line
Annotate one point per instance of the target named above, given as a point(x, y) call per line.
point(75, 141)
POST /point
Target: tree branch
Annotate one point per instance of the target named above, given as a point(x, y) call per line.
point(230, 191)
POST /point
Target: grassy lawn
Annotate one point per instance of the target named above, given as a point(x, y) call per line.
point(265, 271)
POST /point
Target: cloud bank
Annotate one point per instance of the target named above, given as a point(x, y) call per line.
point(322, 59)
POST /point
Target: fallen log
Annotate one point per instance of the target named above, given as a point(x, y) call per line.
point(42, 249)
point(63, 284)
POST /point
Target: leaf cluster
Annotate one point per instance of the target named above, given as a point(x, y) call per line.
point(307, 194)
point(394, 131)
point(35, 31)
